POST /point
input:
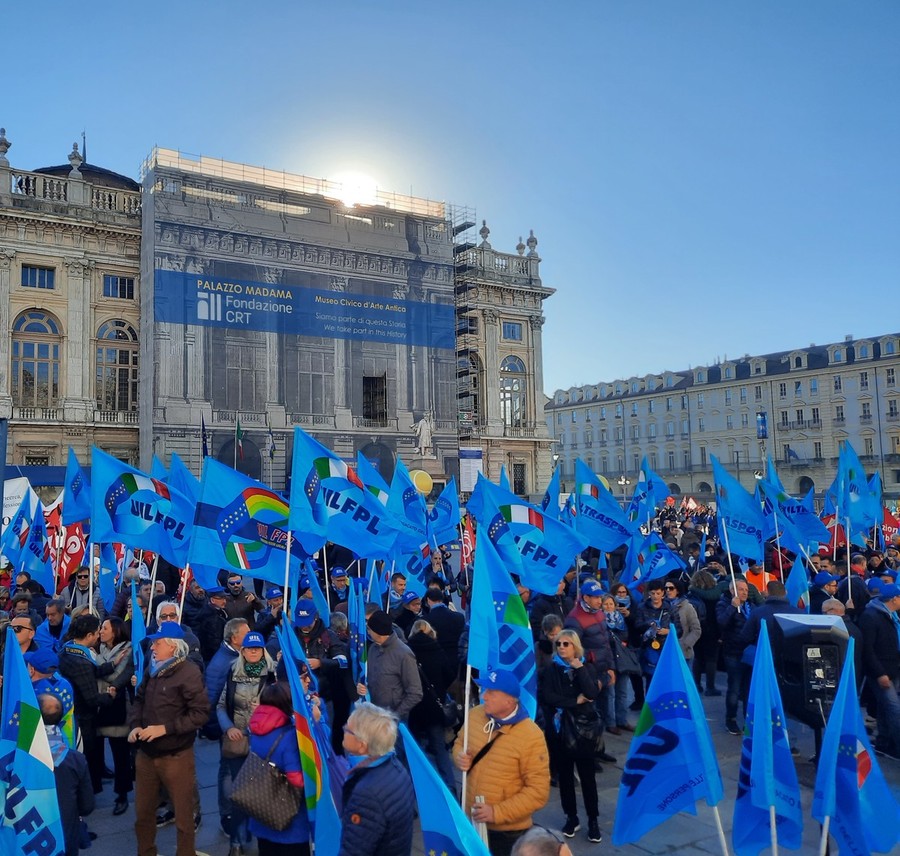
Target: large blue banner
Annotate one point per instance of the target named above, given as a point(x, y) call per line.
point(189, 298)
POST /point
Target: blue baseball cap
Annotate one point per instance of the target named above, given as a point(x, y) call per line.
point(410, 596)
point(168, 630)
point(504, 682)
point(876, 584)
point(889, 591)
point(214, 590)
point(337, 573)
point(304, 584)
point(823, 578)
point(305, 612)
point(591, 588)
point(253, 640)
point(274, 592)
point(43, 660)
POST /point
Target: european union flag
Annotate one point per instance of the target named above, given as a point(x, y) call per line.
point(648, 559)
point(443, 518)
point(739, 514)
point(134, 509)
point(445, 828)
point(35, 557)
point(671, 760)
point(767, 775)
point(241, 525)
point(76, 506)
point(29, 810)
point(550, 502)
point(850, 787)
point(500, 635)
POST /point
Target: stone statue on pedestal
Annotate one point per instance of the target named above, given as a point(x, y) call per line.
point(424, 430)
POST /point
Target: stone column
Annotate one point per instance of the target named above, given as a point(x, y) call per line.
point(79, 341)
point(537, 364)
point(491, 403)
point(6, 258)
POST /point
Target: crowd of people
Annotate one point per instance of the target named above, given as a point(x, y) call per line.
point(214, 670)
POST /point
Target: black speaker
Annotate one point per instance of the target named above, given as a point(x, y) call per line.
point(808, 652)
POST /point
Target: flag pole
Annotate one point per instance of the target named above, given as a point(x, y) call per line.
point(465, 727)
point(325, 568)
point(185, 577)
point(287, 569)
point(823, 842)
point(773, 830)
point(91, 582)
point(152, 589)
point(720, 830)
point(849, 603)
point(728, 553)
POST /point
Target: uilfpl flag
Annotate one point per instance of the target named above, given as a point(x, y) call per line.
point(76, 492)
point(136, 510)
point(767, 776)
point(598, 515)
point(329, 500)
point(671, 760)
point(29, 810)
point(850, 787)
point(35, 557)
point(649, 559)
point(445, 827)
point(408, 507)
point(778, 503)
point(533, 544)
point(443, 518)
point(500, 635)
point(854, 504)
point(240, 525)
point(739, 513)
point(372, 479)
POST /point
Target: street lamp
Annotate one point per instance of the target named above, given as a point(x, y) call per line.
point(623, 483)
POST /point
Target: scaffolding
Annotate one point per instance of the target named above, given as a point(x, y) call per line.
point(463, 223)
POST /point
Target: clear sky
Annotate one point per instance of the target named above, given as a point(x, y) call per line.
point(706, 178)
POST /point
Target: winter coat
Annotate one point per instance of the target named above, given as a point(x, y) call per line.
point(379, 806)
point(439, 674)
point(731, 625)
point(393, 678)
point(687, 625)
point(266, 725)
point(174, 697)
point(112, 721)
point(513, 776)
point(210, 630)
point(237, 700)
point(594, 634)
point(82, 673)
point(881, 651)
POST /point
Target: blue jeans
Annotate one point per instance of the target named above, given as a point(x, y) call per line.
point(889, 714)
point(616, 711)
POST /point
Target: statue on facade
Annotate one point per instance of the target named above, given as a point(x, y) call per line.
point(424, 429)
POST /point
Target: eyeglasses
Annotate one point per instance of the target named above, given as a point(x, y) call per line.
point(82, 576)
point(168, 616)
point(236, 583)
point(563, 644)
point(17, 627)
point(352, 733)
point(671, 588)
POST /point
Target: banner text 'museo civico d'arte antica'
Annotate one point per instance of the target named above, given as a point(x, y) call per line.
point(185, 298)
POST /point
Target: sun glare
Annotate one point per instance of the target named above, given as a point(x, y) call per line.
point(356, 188)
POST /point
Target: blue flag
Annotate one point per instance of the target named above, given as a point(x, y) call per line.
point(328, 500)
point(598, 515)
point(443, 518)
point(533, 544)
point(808, 529)
point(138, 634)
point(107, 578)
point(240, 525)
point(797, 586)
point(182, 479)
point(500, 635)
point(767, 776)
point(445, 827)
point(15, 536)
point(35, 557)
point(854, 502)
point(671, 760)
point(356, 619)
point(739, 513)
point(504, 478)
point(850, 787)
point(132, 508)
point(76, 506)
point(29, 810)
point(372, 479)
point(158, 469)
point(551, 495)
point(648, 559)
point(772, 474)
point(649, 493)
point(407, 505)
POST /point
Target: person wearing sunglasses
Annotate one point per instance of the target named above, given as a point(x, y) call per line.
point(567, 688)
point(78, 593)
point(23, 627)
point(687, 622)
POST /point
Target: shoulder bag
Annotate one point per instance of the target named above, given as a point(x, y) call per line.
point(263, 792)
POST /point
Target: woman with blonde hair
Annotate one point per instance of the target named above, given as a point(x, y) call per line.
point(567, 688)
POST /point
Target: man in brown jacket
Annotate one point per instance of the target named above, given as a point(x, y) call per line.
point(169, 707)
point(507, 763)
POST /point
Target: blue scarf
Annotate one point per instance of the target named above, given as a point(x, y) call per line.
point(615, 620)
point(156, 666)
point(567, 667)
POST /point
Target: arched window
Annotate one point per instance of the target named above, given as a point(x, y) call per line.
point(117, 367)
point(512, 392)
point(34, 380)
point(863, 352)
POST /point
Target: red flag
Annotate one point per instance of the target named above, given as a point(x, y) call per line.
point(71, 555)
point(468, 542)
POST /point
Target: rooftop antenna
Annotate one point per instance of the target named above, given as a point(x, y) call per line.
point(84, 146)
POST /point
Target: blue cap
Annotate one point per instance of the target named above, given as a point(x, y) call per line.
point(168, 630)
point(504, 682)
point(591, 588)
point(888, 572)
point(889, 591)
point(43, 660)
point(253, 640)
point(823, 578)
point(305, 612)
point(304, 584)
point(274, 592)
point(410, 596)
point(214, 590)
point(337, 573)
point(875, 584)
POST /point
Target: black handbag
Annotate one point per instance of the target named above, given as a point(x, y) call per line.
point(263, 792)
point(627, 660)
point(579, 729)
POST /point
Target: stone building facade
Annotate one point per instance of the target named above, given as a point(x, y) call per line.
point(69, 308)
point(809, 399)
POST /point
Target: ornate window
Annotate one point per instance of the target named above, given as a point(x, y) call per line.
point(34, 380)
point(117, 367)
point(512, 392)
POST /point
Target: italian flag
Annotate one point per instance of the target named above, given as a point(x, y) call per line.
point(335, 468)
point(238, 438)
point(522, 514)
point(589, 490)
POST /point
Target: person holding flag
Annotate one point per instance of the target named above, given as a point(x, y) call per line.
point(881, 658)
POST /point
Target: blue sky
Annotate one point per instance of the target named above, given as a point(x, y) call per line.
point(705, 178)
